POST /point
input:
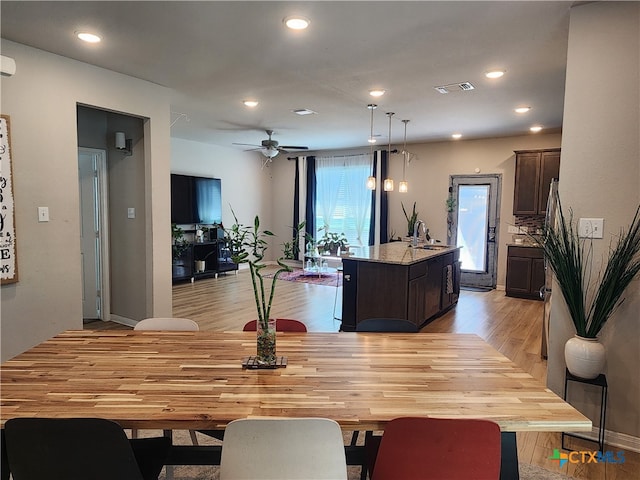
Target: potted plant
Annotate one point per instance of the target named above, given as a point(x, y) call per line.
point(291, 249)
point(591, 298)
point(333, 242)
point(179, 243)
point(248, 244)
point(411, 219)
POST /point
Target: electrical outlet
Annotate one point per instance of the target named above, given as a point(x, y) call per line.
point(591, 227)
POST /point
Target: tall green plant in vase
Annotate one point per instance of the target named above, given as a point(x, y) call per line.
point(248, 244)
point(590, 298)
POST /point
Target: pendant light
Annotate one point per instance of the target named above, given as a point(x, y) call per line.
point(403, 186)
point(388, 182)
point(371, 180)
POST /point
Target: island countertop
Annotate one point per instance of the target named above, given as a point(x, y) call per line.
point(400, 253)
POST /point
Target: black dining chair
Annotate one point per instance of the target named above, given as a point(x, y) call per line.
point(380, 325)
point(80, 448)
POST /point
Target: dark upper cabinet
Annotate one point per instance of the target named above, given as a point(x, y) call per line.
point(534, 171)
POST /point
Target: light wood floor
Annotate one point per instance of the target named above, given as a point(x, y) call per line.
point(512, 326)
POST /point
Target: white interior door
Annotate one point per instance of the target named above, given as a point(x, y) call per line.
point(475, 227)
point(91, 175)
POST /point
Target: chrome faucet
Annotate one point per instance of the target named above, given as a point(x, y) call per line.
point(414, 240)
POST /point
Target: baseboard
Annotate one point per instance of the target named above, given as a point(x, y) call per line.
point(613, 439)
point(129, 322)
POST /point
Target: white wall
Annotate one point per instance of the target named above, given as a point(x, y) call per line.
point(41, 100)
point(600, 177)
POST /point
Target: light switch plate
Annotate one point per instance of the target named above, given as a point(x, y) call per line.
point(43, 214)
point(131, 212)
point(591, 227)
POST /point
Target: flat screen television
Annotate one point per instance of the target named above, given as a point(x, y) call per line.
point(195, 199)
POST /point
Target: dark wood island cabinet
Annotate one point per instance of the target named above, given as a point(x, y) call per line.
point(394, 280)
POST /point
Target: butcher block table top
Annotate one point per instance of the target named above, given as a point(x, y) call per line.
point(194, 380)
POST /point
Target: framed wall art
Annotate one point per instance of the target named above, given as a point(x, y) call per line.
point(8, 249)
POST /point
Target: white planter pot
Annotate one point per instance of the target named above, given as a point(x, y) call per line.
point(200, 266)
point(585, 357)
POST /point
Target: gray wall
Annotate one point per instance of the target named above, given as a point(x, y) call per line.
point(42, 100)
point(600, 177)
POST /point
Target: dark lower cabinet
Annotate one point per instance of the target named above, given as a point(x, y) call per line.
point(525, 272)
point(416, 292)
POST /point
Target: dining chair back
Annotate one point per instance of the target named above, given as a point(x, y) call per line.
point(388, 325)
point(282, 325)
point(283, 449)
point(438, 448)
point(79, 448)
point(167, 324)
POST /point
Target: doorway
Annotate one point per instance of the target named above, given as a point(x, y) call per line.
point(474, 227)
point(92, 181)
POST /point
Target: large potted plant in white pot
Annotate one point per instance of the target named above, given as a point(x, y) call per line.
point(248, 244)
point(591, 297)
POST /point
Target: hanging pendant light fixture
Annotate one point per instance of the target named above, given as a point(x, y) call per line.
point(388, 182)
point(371, 180)
point(403, 186)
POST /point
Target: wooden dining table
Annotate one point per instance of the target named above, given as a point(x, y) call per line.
point(195, 380)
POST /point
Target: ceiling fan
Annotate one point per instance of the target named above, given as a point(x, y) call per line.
point(270, 148)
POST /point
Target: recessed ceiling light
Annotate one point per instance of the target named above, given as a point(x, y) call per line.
point(377, 92)
point(88, 37)
point(303, 111)
point(536, 128)
point(297, 22)
point(522, 109)
point(494, 73)
point(250, 103)
point(456, 135)
point(371, 140)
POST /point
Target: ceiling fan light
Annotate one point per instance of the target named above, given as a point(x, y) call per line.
point(269, 152)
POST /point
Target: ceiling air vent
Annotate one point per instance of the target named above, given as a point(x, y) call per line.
point(455, 87)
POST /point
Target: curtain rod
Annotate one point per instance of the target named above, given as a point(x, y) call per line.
point(341, 156)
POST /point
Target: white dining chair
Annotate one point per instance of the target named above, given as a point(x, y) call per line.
point(167, 324)
point(283, 449)
point(170, 325)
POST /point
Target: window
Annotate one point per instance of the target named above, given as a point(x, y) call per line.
point(343, 203)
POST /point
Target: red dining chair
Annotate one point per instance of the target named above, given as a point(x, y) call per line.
point(420, 448)
point(282, 325)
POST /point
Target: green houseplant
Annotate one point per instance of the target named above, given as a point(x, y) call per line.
point(248, 244)
point(590, 298)
point(179, 243)
point(331, 242)
point(411, 219)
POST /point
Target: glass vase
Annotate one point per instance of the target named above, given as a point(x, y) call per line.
point(266, 342)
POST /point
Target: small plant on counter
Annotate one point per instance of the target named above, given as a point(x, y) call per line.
point(411, 219)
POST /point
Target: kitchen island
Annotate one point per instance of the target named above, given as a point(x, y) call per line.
point(395, 280)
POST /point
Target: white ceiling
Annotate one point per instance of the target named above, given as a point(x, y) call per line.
point(215, 54)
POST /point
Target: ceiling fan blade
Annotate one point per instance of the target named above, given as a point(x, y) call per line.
point(293, 147)
point(248, 144)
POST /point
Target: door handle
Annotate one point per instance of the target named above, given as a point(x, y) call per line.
point(491, 235)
